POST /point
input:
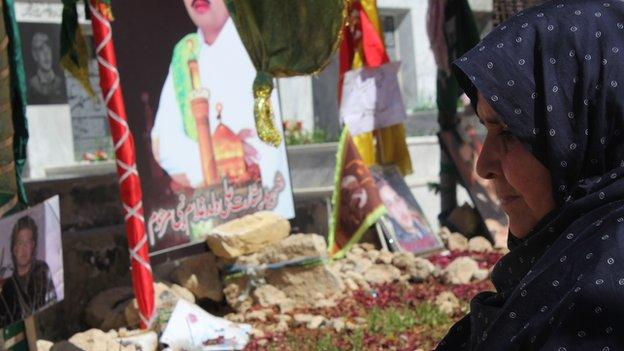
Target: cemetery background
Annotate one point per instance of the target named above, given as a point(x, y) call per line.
point(94, 241)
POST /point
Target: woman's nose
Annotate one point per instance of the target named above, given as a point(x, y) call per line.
point(488, 165)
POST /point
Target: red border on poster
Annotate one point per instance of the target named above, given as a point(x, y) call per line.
point(129, 182)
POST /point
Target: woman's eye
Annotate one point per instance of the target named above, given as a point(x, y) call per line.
point(505, 131)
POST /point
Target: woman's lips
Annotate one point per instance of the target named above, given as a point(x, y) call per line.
point(506, 200)
point(201, 6)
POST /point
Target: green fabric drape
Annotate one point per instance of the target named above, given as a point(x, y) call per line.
point(74, 55)
point(285, 38)
point(18, 97)
point(13, 132)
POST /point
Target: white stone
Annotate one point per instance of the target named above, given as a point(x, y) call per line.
point(372, 255)
point(200, 275)
point(234, 317)
point(259, 315)
point(143, 340)
point(358, 279)
point(315, 322)
point(338, 324)
point(44, 345)
point(382, 274)
point(461, 271)
point(367, 246)
point(403, 260)
point(165, 300)
point(351, 284)
point(481, 274)
point(479, 244)
point(267, 295)
point(385, 257)
point(97, 340)
point(447, 302)
point(420, 269)
point(444, 233)
point(302, 318)
point(247, 234)
point(300, 284)
point(457, 242)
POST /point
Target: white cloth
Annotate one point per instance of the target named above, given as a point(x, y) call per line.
point(371, 99)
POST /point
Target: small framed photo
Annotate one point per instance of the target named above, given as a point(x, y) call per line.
point(45, 79)
point(405, 225)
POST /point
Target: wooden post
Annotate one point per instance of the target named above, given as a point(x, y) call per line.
point(381, 236)
point(31, 332)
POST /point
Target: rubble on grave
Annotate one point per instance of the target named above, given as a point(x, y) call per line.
point(200, 275)
point(247, 234)
point(97, 340)
point(287, 283)
point(106, 310)
point(165, 300)
point(463, 270)
point(480, 244)
point(301, 284)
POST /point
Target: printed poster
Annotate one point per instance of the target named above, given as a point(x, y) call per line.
point(187, 86)
point(31, 262)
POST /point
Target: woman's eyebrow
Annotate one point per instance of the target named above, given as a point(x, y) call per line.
point(494, 119)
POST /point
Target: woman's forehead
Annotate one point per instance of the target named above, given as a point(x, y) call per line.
point(485, 112)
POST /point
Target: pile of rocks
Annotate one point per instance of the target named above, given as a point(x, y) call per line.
point(273, 288)
point(278, 303)
point(97, 340)
point(290, 286)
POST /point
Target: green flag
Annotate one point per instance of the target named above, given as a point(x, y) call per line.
point(13, 126)
point(74, 55)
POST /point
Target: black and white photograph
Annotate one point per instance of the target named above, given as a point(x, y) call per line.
point(45, 80)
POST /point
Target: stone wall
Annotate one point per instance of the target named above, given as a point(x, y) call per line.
point(86, 202)
point(94, 260)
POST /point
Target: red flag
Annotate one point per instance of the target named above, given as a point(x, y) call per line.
point(359, 34)
point(372, 46)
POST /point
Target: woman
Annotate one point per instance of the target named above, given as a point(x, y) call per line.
point(30, 288)
point(549, 86)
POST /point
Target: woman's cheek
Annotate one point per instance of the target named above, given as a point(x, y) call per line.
point(527, 176)
point(519, 167)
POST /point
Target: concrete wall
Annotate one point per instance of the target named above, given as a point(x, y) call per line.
point(295, 96)
point(424, 62)
point(325, 98)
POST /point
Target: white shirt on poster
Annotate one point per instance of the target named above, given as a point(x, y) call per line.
point(228, 73)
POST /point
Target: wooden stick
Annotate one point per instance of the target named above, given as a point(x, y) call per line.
point(31, 333)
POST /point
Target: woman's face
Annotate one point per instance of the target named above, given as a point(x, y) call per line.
point(397, 207)
point(24, 247)
point(522, 183)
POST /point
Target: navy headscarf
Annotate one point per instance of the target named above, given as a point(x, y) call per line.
point(555, 76)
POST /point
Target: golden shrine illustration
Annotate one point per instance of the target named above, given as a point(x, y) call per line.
point(223, 152)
